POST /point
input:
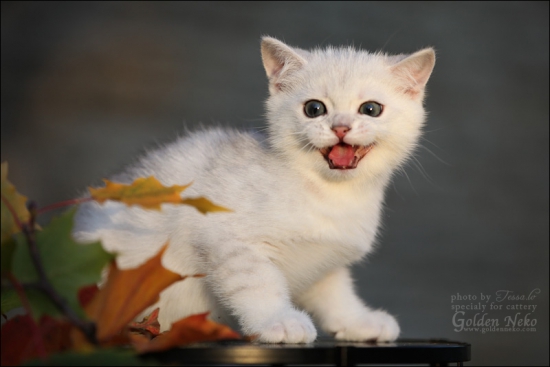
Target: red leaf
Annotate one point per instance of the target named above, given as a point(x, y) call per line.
point(20, 342)
point(149, 326)
point(86, 294)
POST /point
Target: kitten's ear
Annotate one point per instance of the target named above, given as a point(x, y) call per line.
point(413, 71)
point(279, 61)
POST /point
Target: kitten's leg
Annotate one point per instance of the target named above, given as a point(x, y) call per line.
point(339, 311)
point(255, 291)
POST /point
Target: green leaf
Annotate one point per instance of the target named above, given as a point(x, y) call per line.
point(68, 264)
point(101, 357)
point(10, 300)
point(7, 247)
point(8, 296)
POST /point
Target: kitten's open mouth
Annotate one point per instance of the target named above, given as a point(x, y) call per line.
point(345, 156)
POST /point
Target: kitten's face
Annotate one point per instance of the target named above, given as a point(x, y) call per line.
point(344, 113)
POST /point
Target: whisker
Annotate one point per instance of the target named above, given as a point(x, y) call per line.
point(416, 163)
point(435, 155)
point(402, 170)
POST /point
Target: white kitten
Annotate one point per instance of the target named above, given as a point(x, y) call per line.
point(306, 201)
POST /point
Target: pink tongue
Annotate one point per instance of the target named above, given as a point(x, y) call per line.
point(342, 155)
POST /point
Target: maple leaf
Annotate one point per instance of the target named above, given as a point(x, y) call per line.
point(19, 338)
point(204, 205)
point(192, 329)
point(149, 193)
point(127, 293)
point(146, 192)
point(68, 265)
point(149, 326)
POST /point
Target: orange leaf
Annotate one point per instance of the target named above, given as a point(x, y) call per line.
point(146, 192)
point(192, 329)
point(127, 293)
point(204, 205)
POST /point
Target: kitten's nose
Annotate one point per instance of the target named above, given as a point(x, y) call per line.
point(341, 131)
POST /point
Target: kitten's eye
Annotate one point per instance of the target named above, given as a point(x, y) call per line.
point(371, 108)
point(314, 108)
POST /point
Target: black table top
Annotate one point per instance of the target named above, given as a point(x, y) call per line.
point(323, 351)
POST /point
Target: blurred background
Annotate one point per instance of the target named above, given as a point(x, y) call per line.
point(87, 86)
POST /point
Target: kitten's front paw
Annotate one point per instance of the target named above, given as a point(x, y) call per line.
point(290, 326)
point(374, 325)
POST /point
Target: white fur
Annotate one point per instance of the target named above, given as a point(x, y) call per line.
point(297, 225)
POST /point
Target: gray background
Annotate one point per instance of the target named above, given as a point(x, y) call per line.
point(87, 86)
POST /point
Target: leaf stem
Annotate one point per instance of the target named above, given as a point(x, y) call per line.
point(62, 204)
point(88, 328)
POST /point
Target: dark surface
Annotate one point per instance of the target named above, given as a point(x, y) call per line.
point(86, 86)
point(321, 352)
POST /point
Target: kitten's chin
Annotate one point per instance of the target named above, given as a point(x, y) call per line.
point(343, 156)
